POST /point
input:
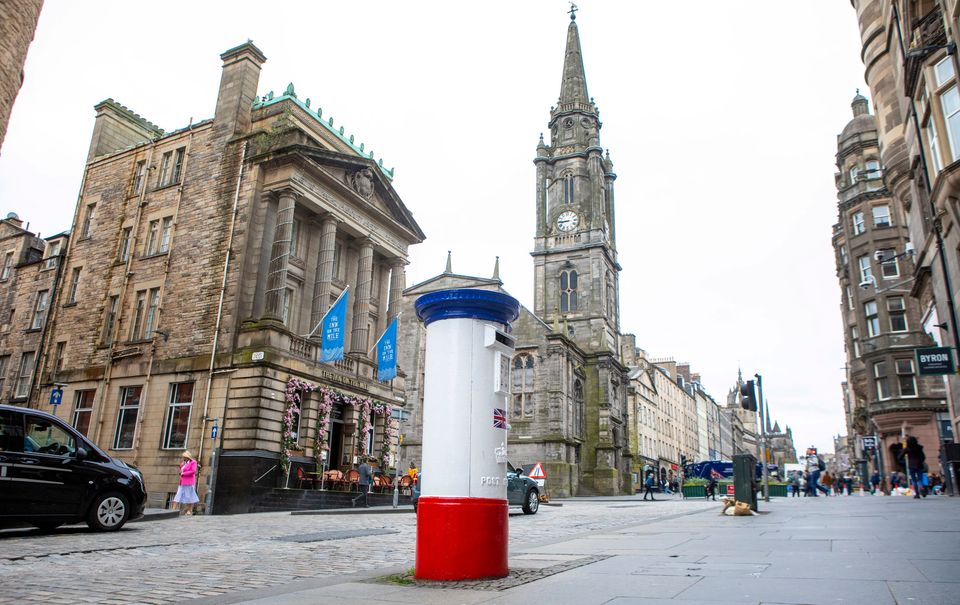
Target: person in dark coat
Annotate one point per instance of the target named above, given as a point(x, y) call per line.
point(914, 462)
point(648, 487)
point(366, 478)
point(712, 488)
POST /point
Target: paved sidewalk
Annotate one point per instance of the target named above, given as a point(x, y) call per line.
point(870, 550)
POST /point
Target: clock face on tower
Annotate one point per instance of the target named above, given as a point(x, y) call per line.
point(568, 221)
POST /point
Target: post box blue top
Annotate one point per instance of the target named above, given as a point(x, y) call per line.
point(467, 303)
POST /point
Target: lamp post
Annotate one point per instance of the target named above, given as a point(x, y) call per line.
point(763, 439)
point(398, 415)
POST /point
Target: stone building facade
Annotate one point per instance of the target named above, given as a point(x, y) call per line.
point(883, 323)
point(200, 263)
point(912, 75)
point(18, 22)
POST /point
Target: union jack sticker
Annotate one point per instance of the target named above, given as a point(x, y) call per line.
point(500, 419)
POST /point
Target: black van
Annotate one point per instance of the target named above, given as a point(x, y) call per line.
point(50, 475)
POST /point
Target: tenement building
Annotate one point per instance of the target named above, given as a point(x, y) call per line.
point(882, 322)
point(569, 407)
point(909, 52)
point(199, 265)
point(18, 22)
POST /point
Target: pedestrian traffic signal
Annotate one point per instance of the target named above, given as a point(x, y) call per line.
point(747, 399)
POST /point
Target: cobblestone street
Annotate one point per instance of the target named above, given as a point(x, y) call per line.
point(172, 560)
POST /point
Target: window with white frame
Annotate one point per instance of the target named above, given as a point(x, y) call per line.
point(40, 309)
point(898, 314)
point(166, 225)
point(889, 267)
point(123, 248)
point(906, 378)
point(58, 356)
point(53, 254)
point(934, 141)
point(88, 218)
point(7, 266)
point(4, 362)
point(859, 226)
point(139, 175)
point(288, 304)
point(881, 216)
point(110, 319)
point(177, 422)
point(153, 303)
point(127, 417)
point(74, 285)
point(164, 178)
point(83, 410)
point(22, 386)
point(144, 314)
point(873, 319)
point(872, 170)
point(949, 102)
point(855, 340)
point(880, 380)
point(139, 308)
point(866, 269)
point(178, 165)
point(849, 299)
point(844, 259)
point(854, 173)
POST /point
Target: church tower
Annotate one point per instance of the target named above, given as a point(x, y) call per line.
point(576, 274)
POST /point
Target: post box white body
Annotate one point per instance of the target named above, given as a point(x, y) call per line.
point(462, 518)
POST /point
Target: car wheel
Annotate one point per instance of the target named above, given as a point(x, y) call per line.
point(531, 503)
point(108, 512)
point(44, 525)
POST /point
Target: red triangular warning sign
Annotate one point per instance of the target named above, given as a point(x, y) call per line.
point(537, 472)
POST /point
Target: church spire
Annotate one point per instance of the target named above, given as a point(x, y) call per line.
point(573, 88)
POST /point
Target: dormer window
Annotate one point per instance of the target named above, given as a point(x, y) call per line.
point(53, 253)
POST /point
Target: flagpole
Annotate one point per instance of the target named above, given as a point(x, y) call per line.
point(320, 323)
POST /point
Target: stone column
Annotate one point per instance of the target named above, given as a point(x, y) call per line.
point(280, 253)
point(398, 281)
point(361, 303)
point(321, 288)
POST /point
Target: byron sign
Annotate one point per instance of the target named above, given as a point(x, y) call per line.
point(934, 361)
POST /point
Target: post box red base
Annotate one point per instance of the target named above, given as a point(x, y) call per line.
point(461, 538)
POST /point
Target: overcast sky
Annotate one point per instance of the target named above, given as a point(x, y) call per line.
point(720, 117)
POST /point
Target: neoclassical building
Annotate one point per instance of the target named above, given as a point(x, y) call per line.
point(199, 264)
point(569, 407)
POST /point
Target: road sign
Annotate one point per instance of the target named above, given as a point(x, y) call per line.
point(934, 361)
point(213, 432)
point(730, 490)
point(56, 396)
point(538, 472)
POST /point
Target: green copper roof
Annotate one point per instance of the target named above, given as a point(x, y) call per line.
point(291, 95)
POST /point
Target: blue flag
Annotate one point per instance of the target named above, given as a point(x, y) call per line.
point(387, 353)
point(332, 330)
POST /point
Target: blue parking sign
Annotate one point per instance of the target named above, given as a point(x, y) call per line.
point(56, 396)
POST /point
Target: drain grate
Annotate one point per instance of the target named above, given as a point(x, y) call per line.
point(517, 577)
point(343, 534)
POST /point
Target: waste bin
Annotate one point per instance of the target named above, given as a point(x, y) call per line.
point(744, 479)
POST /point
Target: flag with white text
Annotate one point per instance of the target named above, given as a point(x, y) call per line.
point(333, 328)
point(387, 353)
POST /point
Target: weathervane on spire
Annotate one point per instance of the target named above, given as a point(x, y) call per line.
point(573, 11)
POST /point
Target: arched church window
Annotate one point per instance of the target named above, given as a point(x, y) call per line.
point(568, 291)
point(578, 411)
point(568, 188)
point(523, 385)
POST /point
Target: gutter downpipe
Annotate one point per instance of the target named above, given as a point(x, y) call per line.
point(216, 331)
point(934, 218)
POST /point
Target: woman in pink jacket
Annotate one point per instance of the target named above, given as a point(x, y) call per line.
point(187, 493)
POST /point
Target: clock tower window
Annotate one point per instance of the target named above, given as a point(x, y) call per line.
point(568, 188)
point(568, 291)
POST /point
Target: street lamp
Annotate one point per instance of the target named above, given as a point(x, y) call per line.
point(763, 439)
point(398, 415)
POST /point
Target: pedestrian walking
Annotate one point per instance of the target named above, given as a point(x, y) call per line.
point(366, 477)
point(815, 466)
point(894, 480)
point(187, 492)
point(914, 462)
point(875, 482)
point(712, 488)
point(648, 487)
point(795, 485)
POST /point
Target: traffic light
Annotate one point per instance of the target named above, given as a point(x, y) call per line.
point(747, 399)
